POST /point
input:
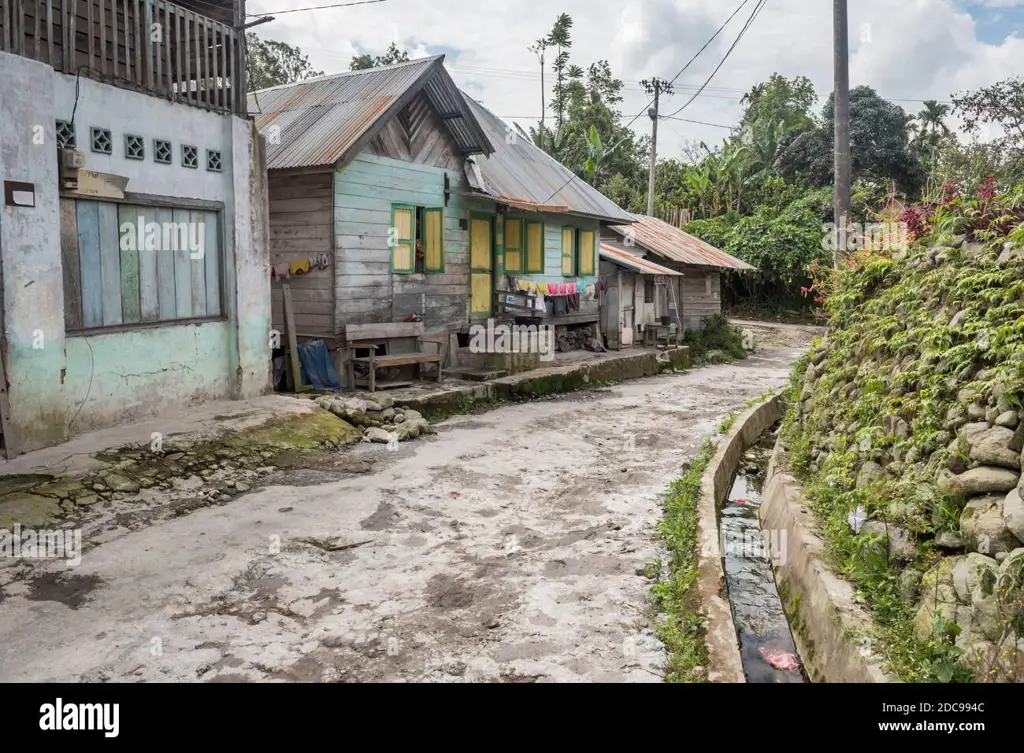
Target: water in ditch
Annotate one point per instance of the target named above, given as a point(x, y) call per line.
point(767, 650)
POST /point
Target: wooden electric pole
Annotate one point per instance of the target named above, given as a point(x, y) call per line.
point(842, 124)
point(655, 87)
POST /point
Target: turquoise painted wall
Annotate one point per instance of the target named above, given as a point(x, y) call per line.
point(553, 224)
point(125, 376)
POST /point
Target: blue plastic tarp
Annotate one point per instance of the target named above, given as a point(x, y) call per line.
point(317, 366)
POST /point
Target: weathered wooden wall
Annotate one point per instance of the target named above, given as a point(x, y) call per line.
point(300, 227)
point(366, 288)
point(417, 135)
point(702, 294)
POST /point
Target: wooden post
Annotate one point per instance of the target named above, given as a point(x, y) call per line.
point(293, 344)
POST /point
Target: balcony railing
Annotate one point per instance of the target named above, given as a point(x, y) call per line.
point(150, 45)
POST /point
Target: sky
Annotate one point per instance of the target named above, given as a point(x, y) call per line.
point(908, 50)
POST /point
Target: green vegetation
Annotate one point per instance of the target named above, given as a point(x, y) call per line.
point(915, 341)
point(717, 341)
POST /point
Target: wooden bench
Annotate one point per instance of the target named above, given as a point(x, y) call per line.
point(389, 337)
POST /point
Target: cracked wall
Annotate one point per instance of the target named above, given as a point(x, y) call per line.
point(84, 382)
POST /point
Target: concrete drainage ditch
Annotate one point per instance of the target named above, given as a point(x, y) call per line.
point(773, 611)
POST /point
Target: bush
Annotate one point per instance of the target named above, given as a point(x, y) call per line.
point(717, 340)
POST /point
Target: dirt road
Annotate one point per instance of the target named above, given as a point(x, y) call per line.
point(509, 547)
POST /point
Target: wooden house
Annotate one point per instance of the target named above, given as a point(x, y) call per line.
point(394, 196)
point(696, 294)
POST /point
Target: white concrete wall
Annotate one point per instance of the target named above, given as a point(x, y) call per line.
point(61, 386)
point(128, 112)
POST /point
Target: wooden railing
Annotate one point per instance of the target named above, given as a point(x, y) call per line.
point(149, 45)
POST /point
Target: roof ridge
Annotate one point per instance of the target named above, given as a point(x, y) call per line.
point(345, 74)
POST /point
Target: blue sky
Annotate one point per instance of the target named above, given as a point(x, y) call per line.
point(994, 24)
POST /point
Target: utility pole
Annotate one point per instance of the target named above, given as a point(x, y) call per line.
point(655, 86)
point(842, 130)
point(538, 50)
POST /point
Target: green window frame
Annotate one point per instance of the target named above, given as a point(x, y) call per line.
point(517, 245)
point(586, 254)
point(538, 267)
point(403, 244)
point(569, 246)
point(433, 240)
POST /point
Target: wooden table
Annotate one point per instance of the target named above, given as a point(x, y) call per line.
point(654, 333)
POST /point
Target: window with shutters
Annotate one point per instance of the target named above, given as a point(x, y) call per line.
point(403, 233)
point(535, 248)
point(568, 251)
point(433, 240)
point(587, 252)
point(514, 245)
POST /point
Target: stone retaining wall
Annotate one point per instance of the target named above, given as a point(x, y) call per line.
point(828, 626)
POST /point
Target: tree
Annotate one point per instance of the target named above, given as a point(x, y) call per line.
point(1001, 104)
point(879, 145)
point(392, 56)
point(560, 36)
point(781, 99)
point(273, 63)
point(929, 128)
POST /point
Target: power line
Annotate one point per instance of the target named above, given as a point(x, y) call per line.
point(706, 45)
point(757, 9)
point(698, 122)
point(317, 7)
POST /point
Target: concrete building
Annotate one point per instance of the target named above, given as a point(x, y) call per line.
point(133, 230)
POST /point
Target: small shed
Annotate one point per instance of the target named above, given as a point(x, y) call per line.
point(628, 291)
point(698, 291)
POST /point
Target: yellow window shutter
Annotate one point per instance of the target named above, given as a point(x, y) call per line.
point(433, 240)
point(586, 252)
point(513, 245)
point(568, 249)
point(402, 233)
point(535, 248)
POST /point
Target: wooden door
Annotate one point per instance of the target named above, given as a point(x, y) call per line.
point(481, 266)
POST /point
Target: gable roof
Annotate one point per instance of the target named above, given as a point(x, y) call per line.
point(523, 175)
point(670, 242)
point(327, 120)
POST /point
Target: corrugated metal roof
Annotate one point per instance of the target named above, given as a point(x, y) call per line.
point(670, 242)
point(319, 120)
point(521, 174)
point(636, 263)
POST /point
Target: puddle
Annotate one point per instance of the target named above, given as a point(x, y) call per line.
point(761, 625)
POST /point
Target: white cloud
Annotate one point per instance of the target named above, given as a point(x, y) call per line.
point(915, 49)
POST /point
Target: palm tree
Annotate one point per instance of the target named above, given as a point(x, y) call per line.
point(931, 118)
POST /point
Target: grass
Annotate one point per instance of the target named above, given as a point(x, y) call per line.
point(675, 593)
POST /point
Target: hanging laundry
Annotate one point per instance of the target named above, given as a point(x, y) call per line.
point(542, 287)
point(299, 267)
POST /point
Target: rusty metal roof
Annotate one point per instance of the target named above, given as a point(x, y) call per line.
point(636, 263)
point(320, 120)
point(521, 174)
point(669, 242)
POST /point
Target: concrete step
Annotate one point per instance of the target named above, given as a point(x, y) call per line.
point(483, 375)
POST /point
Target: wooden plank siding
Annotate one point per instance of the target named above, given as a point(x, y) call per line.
point(111, 279)
point(702, 293)
point(366, 289)
point(300, 227)
point(417, 135)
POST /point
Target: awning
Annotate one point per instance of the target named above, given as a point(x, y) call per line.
point(635, 263)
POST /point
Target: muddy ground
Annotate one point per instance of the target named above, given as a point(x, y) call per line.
point(510, 547)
